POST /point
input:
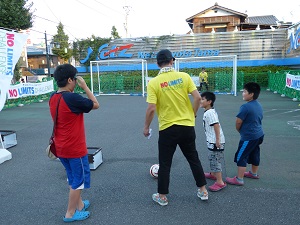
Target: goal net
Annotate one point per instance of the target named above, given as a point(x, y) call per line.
point(221, 71)
point(118, 77)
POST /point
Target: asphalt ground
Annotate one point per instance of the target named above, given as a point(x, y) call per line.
point(34, 190)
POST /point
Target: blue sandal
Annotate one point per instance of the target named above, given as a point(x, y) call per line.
point(78, 215)
point(86, 204)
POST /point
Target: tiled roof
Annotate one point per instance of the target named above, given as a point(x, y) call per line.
point(216, 7)
point(262, 20)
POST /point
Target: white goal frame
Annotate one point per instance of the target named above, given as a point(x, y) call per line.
point(211, 59)
point(108, 63)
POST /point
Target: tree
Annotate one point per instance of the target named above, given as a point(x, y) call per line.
point(114, 33)
point(16, 14)
point(61, 43)
point(80, 48)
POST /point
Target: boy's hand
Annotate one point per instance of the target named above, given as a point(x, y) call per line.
point(81, 83)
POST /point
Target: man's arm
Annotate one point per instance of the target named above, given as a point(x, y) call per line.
point(196, 103)
point(238, 124)
point(149, 117)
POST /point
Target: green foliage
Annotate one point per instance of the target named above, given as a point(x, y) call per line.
point(17, 71)
point(257, 74)
point(114, 33)
point(80, 48)
point(61, 39)
point(16, 14)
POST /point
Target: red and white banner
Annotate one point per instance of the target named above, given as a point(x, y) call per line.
point(292, 81)
point(30, 89)
point(11, 46)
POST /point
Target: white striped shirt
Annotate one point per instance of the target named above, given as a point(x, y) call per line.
point(210, 117)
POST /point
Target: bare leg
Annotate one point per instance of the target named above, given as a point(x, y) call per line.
point(203, 188)
point(218, 175)
point(74, 201)
point(241, 171)
point(254, 169)
point(162, 196)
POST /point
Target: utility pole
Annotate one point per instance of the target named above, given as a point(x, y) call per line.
point(47, 55)
point(127, 10)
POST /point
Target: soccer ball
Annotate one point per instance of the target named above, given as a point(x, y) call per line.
point(154, 170)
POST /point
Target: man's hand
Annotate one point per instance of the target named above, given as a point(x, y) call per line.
point(146, 131)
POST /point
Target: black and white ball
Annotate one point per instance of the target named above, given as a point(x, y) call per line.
point(154, 170)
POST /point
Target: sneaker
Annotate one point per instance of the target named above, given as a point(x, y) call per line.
point(210, 176)
point(250, 175)
point(234, 181)
point(203, 195)
point(159, 200)
point(217, 187)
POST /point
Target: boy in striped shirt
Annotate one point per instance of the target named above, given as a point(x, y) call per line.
point(215, 140)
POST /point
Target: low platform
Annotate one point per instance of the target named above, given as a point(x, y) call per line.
point(8, 138)
point(4, 155)
point(95, 157)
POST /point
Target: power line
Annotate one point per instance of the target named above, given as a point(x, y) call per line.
point(92, 8)
point(108, 7)
point(57, 18)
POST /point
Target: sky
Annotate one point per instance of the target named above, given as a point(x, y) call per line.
point(84, 18)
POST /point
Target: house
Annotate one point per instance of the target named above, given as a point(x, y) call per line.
point(37, 61)
point(220, 19)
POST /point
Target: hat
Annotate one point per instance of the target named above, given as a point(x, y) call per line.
point(164, 56)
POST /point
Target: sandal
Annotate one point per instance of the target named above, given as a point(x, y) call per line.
point(78, 215)
point(86, 204)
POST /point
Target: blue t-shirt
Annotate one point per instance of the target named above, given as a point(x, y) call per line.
point(251, 113)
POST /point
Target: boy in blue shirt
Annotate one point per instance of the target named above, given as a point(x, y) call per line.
point(249, 125)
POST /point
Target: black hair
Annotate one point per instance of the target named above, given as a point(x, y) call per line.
point(164, 57)
point(210, 96)
point(253, 87)
point(164, 62)
point(62, 73)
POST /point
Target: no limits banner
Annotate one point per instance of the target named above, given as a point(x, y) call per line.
point(292, 81)
point(30, 89)
point(11, 46)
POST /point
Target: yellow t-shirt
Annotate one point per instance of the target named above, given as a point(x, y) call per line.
point(169, 91)
point(203, 77)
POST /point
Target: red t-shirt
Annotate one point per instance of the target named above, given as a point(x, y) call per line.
point(69, 134)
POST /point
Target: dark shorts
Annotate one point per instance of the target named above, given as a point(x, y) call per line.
point(248, 152)
point(78, 172)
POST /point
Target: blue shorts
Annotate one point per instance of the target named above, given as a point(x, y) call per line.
point(248, 152)
point(78, 172)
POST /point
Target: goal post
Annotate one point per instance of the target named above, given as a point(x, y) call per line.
point(221, 70)
point(118, 77)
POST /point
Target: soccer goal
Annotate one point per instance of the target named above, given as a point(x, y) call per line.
point(118, 77)
point(221, 70)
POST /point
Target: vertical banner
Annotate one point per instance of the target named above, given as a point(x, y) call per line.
point(11, 46)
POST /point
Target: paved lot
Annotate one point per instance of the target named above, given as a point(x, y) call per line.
point(33, 189)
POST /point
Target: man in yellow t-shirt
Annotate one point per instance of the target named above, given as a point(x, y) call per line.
point(203, 79)
point(168, 95)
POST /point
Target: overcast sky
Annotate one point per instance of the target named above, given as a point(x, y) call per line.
point(82, 18)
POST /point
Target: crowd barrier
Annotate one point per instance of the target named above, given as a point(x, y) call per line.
point(276, 82)
point(286, 83)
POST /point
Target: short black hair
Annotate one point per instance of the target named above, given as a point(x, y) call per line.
point(164, 57)
point(63, 72)
point(253, 87)
point(210, 96)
